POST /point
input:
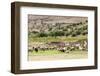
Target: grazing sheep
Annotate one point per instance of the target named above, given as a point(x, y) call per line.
point(62, 49)
point(36, 49)
point(72, 48)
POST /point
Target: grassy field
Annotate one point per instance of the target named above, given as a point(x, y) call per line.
point(56, 39)
point(46, 52)
point(56, 55)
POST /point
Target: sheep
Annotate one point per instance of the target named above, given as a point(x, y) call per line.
point(35, 49)
point(62, 49)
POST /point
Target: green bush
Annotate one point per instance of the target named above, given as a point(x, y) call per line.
point(65, 29)
point(52, 33)
point(42, 34)
point(73, 34)
point(67, 34)
point(50, 29)
point(57, 33)
point(81, 23)
point(84, 33)
point(85, 27)
point(78, 32)
point(35, 32)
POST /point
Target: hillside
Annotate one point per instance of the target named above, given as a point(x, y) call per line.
point(43, 25)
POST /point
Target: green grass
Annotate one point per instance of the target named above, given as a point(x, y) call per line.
point(56, 55)
point(46, 52)
point(56, 39)
point(54, 52)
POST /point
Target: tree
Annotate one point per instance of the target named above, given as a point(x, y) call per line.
point(52, 33)
point(67, 33)
point(35, 32)
point(57, 33)
point(86, 21)
point(65, 29)
point(73, 34)
point(50, 29)
point(85, 27)
point(78, 32)
point(80, 23)
point(85, 32)
point(59, 25)
point(74, 24)
point(42, 34)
